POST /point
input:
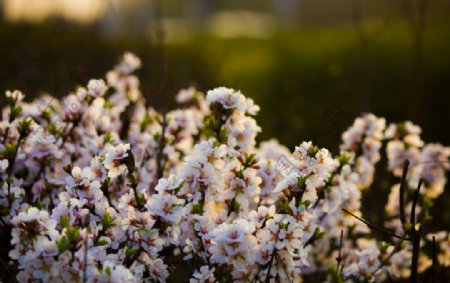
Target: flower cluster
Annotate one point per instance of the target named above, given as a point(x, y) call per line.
point(99, 187)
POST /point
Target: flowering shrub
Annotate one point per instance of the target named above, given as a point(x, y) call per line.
point(98, 187)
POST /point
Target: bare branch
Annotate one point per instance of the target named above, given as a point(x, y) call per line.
point(386, 261)
point(162, 144)
point(402, 192)
point(270, 266)
point(379, 229)
point(414, 202)
point(415, 254)
point(433, 267)
point(339, 258)
point(284, 267)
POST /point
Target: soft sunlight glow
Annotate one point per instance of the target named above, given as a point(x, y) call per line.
point(82, 11)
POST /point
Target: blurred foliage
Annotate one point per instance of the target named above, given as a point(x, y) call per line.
point(310, 82)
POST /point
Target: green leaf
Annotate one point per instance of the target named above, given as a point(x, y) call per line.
point(73, 234)
point(141, 199)
point(223, 134)
point(130, 253)
point(64, 221)
point(107, 138)
point(318, 234)
point(301, 182)
point(107, 221)
point(145, 122)
point(306, 203)
point(63, 244)
point(344, 158)
point(102, 243)
point(4, 211)
point(234, 205)
point(197, 208)
point(312, 151)
point(177, 188)
point(108, 270)
point(15, 112)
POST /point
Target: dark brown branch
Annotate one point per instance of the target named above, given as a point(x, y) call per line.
point(284, 267)
point(162, 144)
point(136, 195)
point(310, 241)
point(415, 254)
point(443, 162)
point(379, 229)
point(339, 258)
point(386, 261)
point(433, 267)
point(402, 192)
point(270, 266)
point(414, 203)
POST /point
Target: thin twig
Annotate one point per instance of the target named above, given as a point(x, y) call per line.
point(414, 202)
point(270, 266)
point(310, 241)
point(382, 230)
point(159, 161)
point(433, 267)
point(284, 267)
point(339, 258)
point(384, 262)
point(69, 134)
point(415, 235)
point(105, 190)
point(257, 274)
point(402, 192)
point(431, 161)
point(136, 195)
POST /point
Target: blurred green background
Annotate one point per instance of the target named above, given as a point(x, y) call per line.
point(312, 65)
point(312, 70)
